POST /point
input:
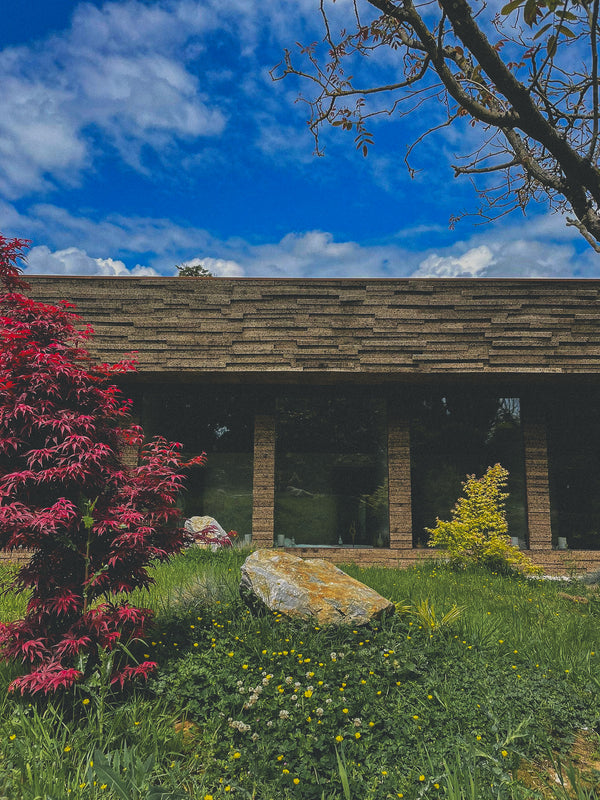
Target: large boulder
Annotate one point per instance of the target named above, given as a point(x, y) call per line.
point(308, 589)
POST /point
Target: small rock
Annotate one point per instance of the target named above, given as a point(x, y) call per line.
point(309, 589)
point(206, 532)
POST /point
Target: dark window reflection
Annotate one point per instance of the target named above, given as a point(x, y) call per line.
point(574, 466)
point(218, 420)
point(331, 469)
point(460, 434)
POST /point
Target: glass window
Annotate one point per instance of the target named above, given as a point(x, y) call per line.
point(331, 469)
point(459, 434)
point(574, 467)
point(218, 420)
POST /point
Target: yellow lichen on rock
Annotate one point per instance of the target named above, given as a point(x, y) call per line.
point(309, 589)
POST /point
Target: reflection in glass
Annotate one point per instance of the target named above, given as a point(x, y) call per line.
point(460, 434)
point(218, 421)
point(331, 469)
point(574, 467)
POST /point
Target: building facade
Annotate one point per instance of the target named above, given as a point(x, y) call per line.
point(341, 416)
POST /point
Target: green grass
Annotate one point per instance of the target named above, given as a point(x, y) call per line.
point(494, 676)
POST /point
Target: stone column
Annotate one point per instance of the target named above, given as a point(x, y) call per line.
point(264, 481)
point(536, 476)
point(131, 456)
point(399, 483)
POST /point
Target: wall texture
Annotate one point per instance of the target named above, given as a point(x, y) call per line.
point(410, 326)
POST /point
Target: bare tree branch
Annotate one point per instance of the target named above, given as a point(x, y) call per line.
point(532, 95)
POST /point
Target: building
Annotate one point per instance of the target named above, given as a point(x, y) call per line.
point(340, 416)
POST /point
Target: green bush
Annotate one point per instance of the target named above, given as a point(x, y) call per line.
point(477, 532)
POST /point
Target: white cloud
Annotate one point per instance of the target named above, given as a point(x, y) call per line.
point(316, 254)
point(134, 236)
point(73, 261)
point(66, 243)
point(118, 73)
point(133, 76)
point(471, 264)
point(540, 246)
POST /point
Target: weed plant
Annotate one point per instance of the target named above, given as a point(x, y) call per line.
point(476, 674)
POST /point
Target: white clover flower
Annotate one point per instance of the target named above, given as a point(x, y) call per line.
point(284, 714)
point(288, 679)
point(294, 697)
point(254, 737)
point(319, 712)
point(239, 725)
point(357, 722)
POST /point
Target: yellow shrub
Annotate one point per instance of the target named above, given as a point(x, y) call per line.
point(478, 530)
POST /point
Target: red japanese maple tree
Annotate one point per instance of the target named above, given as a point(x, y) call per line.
point(91, 523)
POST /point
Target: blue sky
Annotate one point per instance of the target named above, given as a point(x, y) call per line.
point(137, 136)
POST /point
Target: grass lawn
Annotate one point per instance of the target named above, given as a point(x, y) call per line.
point(500, 699)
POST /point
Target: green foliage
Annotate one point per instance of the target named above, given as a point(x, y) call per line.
point(193, 271)
point(477, 532)
point(262, 708)
point(425, 613)
point(129, 776)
